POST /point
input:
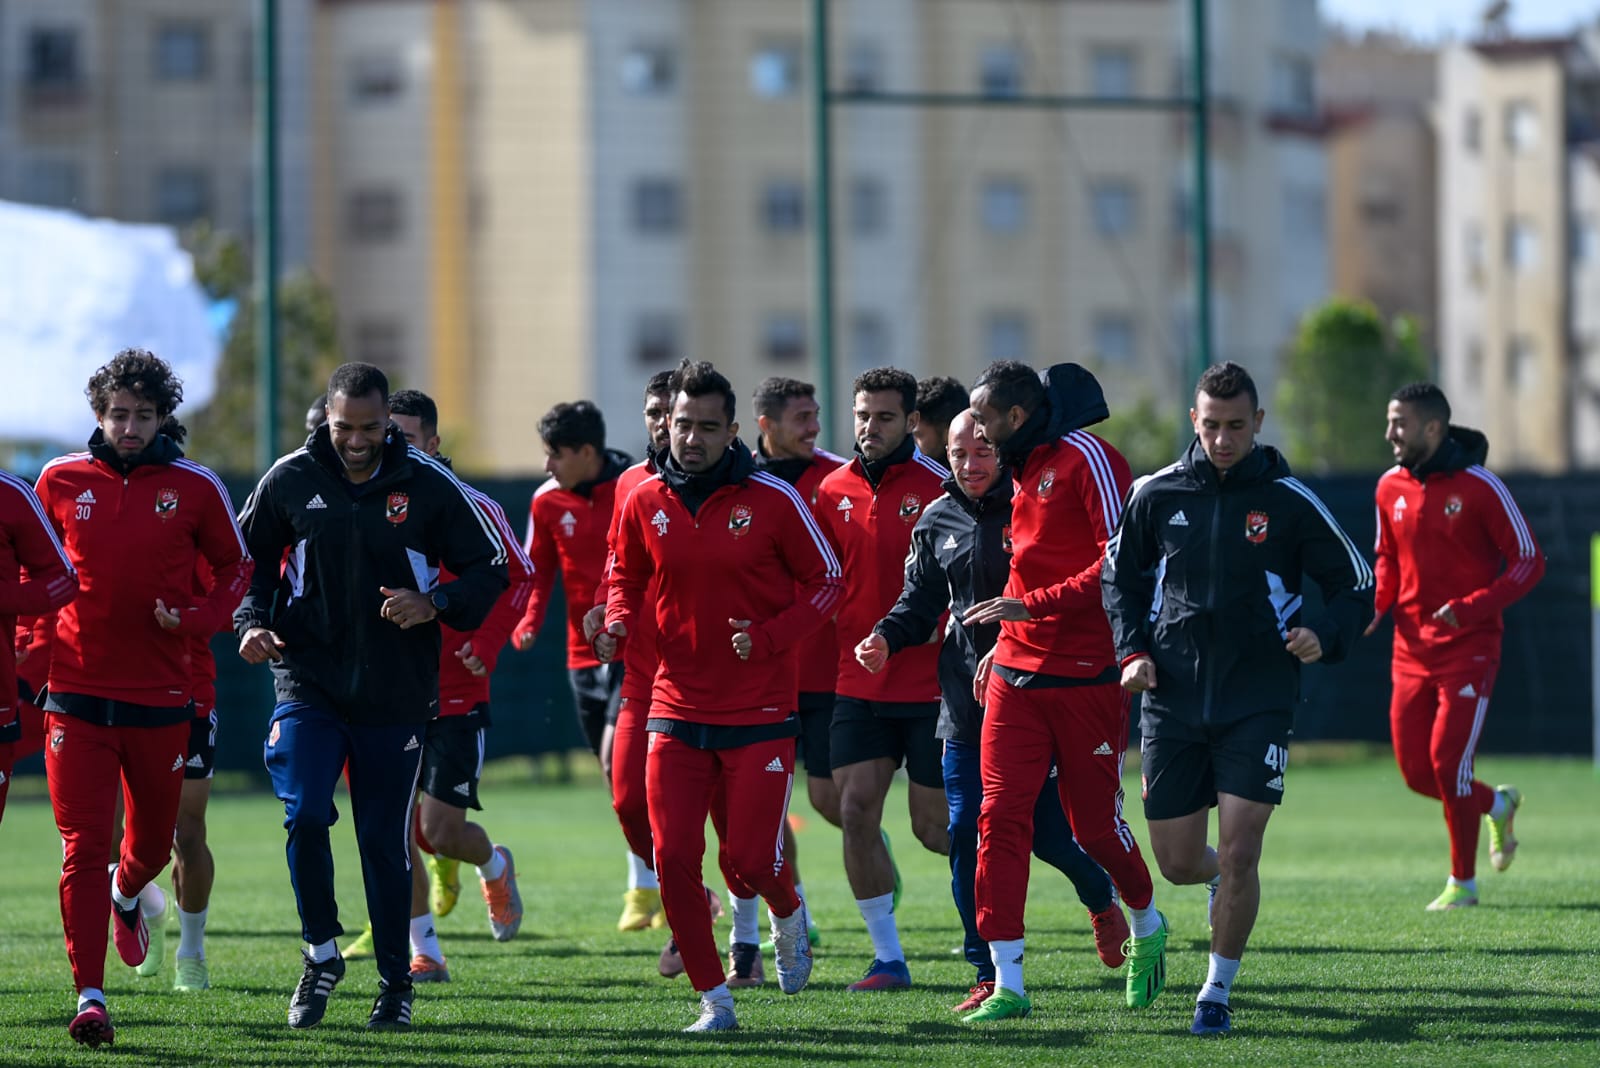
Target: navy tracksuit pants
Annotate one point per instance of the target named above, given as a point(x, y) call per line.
point(307, 748)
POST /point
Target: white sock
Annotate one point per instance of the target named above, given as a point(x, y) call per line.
point(879, 914)
point(1146, 921)
point(322, 953)
point(152, 901)
point(1007, 957)
point(800, 891)
point(423, 938)
point(124, 901)
point(192, 933)
point(640, 875)
point(1497, 811)
point(1219, 979)
point(88, 994)
point(787, 923)
point(719, 993)
point(494, 867)
point(1469, 885)
point(746, 920)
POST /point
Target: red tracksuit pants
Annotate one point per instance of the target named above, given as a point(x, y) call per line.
point(1435, 720)
point(1084, 730)
point(683, 784)
point(629, 744)
point(84, 763)
point(31, 718)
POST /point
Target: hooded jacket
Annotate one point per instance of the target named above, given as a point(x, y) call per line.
point(1449, 532)
point(1204, 577)
point(35, 578)
point(639, 651)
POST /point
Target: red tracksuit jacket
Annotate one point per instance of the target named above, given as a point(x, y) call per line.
point(639, 651)
point(739, 556)
point(1451, 534)
point(27, 541)
point(871, 529)
point(460, 691)
point(817, 659)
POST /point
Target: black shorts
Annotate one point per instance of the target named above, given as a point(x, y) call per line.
point(816, 720)
point(452, 761)
point(597, 693)
point(1187, 766)
point(201, 760)
point(904, 732)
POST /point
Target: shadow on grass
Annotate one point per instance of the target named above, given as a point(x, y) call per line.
point(1425, 1025)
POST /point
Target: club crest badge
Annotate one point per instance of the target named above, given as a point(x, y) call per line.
point(1452, 506)
point(58, 737)
point(1255, 528)
point(398, 507)
point(1005, 539)
point(910, 506)
point(1047, 481)
point(739, 520)
point(166, 503)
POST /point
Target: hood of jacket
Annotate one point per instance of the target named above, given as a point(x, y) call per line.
point(736, 465)
point(615, 462)
point(163, 450)
point(1263, 464)
point(1461, 448)
point(1073, 400)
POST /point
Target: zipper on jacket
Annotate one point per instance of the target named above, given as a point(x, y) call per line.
point(1212, 552)
point(353, 599)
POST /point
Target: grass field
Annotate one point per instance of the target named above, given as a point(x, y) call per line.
point(1345, 966)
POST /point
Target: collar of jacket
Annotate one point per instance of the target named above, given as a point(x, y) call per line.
point(736, 465)
point(1263, 463)
point(874, 470)
point(996, 496)
point(163, 450)
point(1073, 399)
point(789, 468)
point(392, 462)
point(615, 462)
point(1461, 448)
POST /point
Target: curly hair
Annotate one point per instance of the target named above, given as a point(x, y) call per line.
point(941, 399)
point(883, 379)
point(140, 372)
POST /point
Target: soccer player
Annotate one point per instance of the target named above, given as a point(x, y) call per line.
point(882, 720)
point(1202, 584)
point(961, 556)
point(317, 413)
point(1051, 693)
point(352, 630)
point(133, 515)
point(743, 574)
point(1453, 553)
point(939, 400)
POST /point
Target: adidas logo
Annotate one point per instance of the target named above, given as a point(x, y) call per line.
point(177, 763)
point(464, 789)
point(2, 778)
point(1104, 750)
point(949, 543)
point(412, 744)
point(196, 761)
point(776, 765)
point(316, 502)
point(1467, 691)
point(86, 497)
point(1179, 520)
point(1275, 783)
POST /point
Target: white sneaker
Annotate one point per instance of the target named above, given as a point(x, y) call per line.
point(714, 1016)
point(791, 948)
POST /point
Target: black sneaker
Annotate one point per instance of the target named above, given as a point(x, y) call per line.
point(392, 1010)
point(744, 965)
point(310, 998)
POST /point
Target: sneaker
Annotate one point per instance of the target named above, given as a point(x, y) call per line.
point(1110, 932)
point(899, 884)
point(192, 974)
point(392, 1009)
point(792, 951)
point(639, 907)
point(744, 965)
point(814, 936)
point(157, 927)
point(714, 1016)
point(1211, 902)
point(976, 996)
point(424, 969)
point(1502, 843)
point(310, 998)
point(1001, 1005)
point(361, 948)
point(883, 975)
point(671, 964)
point(92, 1026)
point(714, 904)
point(130, 933)
point(1211, 1018)
point(504, 900)
point(444, 884)
point(1454, 897)
point(1147, 966)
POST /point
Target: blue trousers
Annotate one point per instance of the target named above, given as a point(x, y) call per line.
point(1052, 843)
point(307, 749)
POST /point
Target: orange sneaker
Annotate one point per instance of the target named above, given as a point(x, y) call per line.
point(976, 996)
point(503, 899)
point(1110, 932)
point(424, 969)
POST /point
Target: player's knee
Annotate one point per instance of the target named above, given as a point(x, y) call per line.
point(933, 834)
point(824, 798)
point(1179, 866)
point(190, 836)
point(1239, 856)
point(858, 809)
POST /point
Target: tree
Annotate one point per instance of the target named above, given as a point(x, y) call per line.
point(1149, 438)
point(1336, 385)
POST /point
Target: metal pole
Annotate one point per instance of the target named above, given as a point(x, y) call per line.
point(823, 195)
point(266, 250)
point(1594, 640)
point(1202, 184)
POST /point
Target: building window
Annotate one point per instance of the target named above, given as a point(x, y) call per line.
point(1004, 205)
point(1000, 71)
point(657, 339)
point(380, 342)
point(1305, 214)
point(1111, 72)
point(1477, 253)
point(1007, 336)
point(376, 78)
point(775, 70)
point(783, 338)
point(1522, 126)
point(1114, 204)
point(869, 341)
point(783, 207)
point(1472, 130)
point(53, 58)
point(657, 205)
point(1585, 241)
point(1522, 370)
point(863, 67)
point(1294, 85)
point(183, 194)
point(649, 70)
point(1522, 245)
point(869, 206)
point(1474, 363)
point(53, 183)
point(373, 214)
point(1113, 337)
point(183, 51)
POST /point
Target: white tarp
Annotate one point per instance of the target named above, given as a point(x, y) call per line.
point(75, 291)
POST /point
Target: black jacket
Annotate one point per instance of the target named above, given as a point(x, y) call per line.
point(339, 542)
point(960, 556)
point(1204, 576)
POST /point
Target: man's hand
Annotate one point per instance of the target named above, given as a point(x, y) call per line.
point(1372, 627)
point(1139, 675)
point(260, 645)
point(605, 643)
point(743, 644)
point(1447, 616)
point(593, 620)
point(872, 652)
point(980, 681)
point(167, 617)
point(470, 662)
point(406, 608)
point(997, 609)
point(1304, 645)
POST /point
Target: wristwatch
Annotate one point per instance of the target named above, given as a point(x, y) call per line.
point(441, 601)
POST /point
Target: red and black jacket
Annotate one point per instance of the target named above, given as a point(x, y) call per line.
point(36, 577)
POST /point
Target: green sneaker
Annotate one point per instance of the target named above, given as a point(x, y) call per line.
point(1147, 966)
point(1454, 897)
point(192, 975)
point(157, 952)
point(444, 884)
point(361, 948)
point(899, 885)
point(1003, 1004)
point(1502, 843)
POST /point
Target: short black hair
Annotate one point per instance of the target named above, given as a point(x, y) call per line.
point(773, 395)
point(700, 379)
point(1011, 384)
point(417, 403)
point(941, 399)
point(881, 379)
point(1427, 398)
point(358, 380)
point(140, 372)
point(660, 383)
point(572, 425)
point(1226, 380)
